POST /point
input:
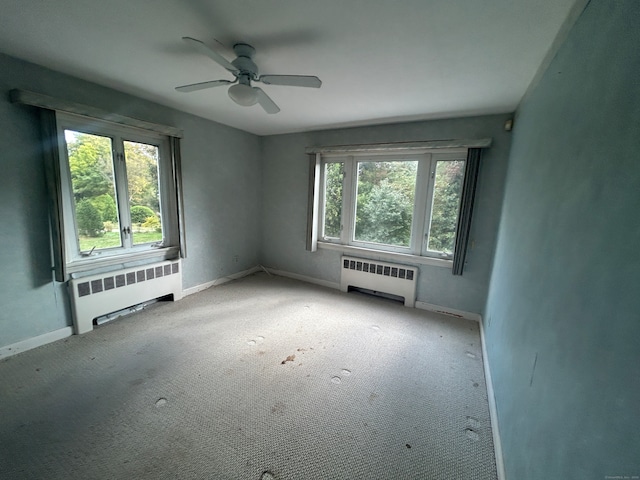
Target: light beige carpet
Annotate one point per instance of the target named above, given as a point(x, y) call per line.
point(264, 377)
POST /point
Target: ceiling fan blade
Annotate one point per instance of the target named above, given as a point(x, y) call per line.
point(212, 54)
point(291, 80)
point(265, 101)
point(201, 86)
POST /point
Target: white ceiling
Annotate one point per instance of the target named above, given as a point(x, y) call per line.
point(380, 61)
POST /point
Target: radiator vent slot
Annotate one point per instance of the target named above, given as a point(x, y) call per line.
point(118, 280)
point(370, 266)
point(101, 294)
point(379, 277)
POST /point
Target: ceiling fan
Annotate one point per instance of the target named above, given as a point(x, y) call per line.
point(246, 71)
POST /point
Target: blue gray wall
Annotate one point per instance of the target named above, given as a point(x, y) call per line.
point(563, 313)
point(284, 210)
point(245, 198)
point(222, 189)
point(562, 317)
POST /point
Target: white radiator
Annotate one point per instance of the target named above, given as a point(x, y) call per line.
point(380, 277)
point(98, 295)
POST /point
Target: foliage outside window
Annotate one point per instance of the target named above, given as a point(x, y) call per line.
point(332, 199)
point(399, 203)
point(384, 202)
point(117, 188)
point(447, 190)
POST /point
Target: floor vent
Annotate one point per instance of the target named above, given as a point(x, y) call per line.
point(378, 276)
point(101, 294)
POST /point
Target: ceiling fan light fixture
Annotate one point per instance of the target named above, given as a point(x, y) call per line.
point(243, 95)
point(246, 71)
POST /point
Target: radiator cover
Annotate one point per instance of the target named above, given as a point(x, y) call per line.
point(380, 277)
point(97, 295)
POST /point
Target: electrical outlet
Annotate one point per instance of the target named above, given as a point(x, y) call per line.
point(235, 258)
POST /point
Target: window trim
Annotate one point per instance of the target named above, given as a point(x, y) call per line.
point(77, 262)
point(427, 158)
point(452, 156)
point(470, 181)
point(48, 107)
point(401, 146)
point(383, 255)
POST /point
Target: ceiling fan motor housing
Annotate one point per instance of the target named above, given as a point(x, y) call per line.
point(244, 62)
point(245, 71)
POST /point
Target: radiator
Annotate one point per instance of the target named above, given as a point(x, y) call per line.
point(97, 295)
point(380, 277)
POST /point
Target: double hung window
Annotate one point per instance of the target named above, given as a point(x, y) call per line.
point(399, 202)
point(118, 191)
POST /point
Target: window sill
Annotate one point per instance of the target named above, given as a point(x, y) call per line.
point(390, 256)
point(95, 264)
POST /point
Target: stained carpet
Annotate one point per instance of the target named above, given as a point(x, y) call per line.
point(264, 377)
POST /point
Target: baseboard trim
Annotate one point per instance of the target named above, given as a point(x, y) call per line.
point(336, 285)
point(220, 281)
point(493, 409)
point(449, 311)
point(302, 278)
point(35, 342)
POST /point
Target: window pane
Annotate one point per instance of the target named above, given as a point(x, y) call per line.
point(332, 199)
point(385, 199)
point(446, 202)
point(94, 194)
point(144, 198)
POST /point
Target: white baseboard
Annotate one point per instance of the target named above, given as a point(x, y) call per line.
point(34, 342)
point(336, 285)
point(302, 278)
point(493, 410)
point(449, 311)
point(220, 281)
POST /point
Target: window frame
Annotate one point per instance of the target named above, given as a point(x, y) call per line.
point(168, 247)
point(423, 199)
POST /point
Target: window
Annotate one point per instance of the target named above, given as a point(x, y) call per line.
point(118, 193)
point(399, 202)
